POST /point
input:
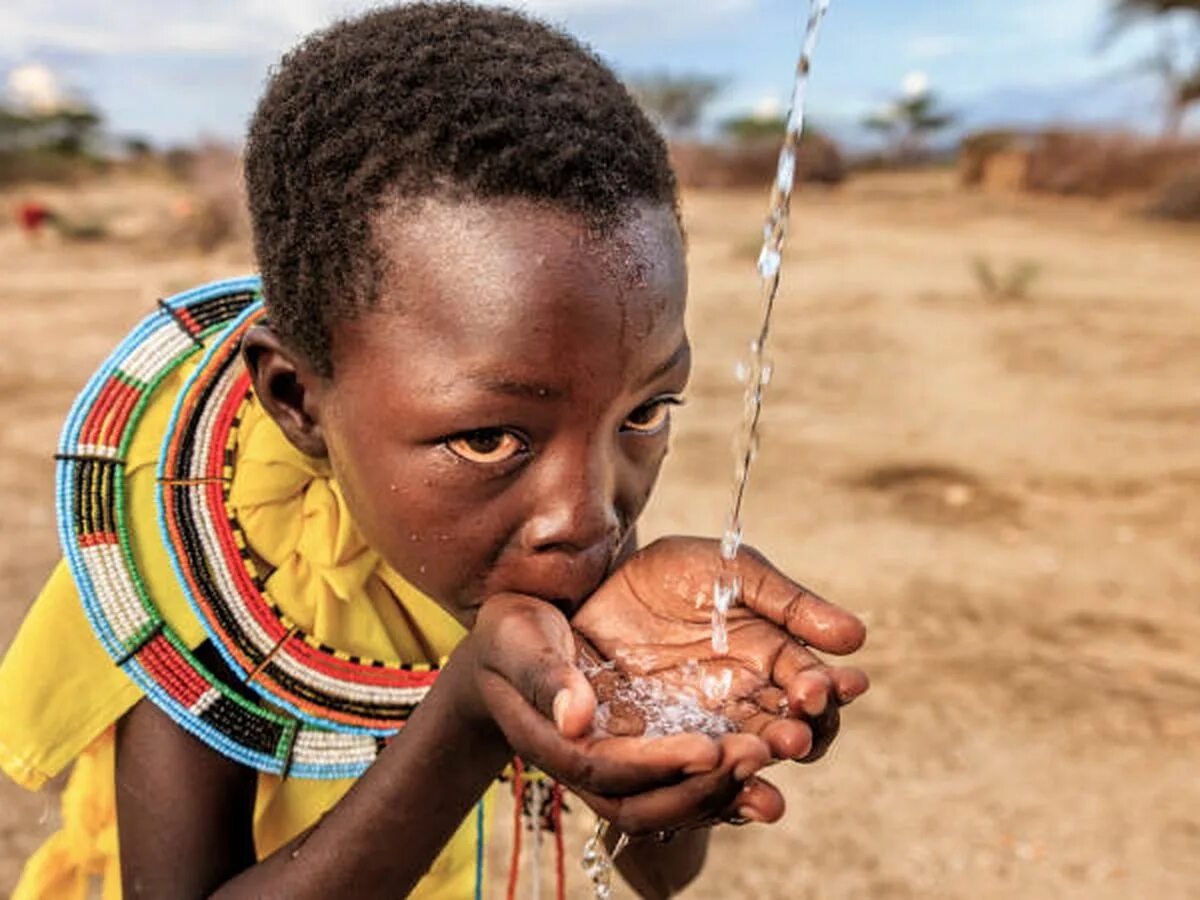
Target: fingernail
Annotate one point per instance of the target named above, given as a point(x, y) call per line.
point(561, 700)
point(745, 769)
point(698, 768)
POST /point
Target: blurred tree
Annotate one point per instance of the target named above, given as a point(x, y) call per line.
point(137, 146)
point(908, 122)
point(1176, 61)
point(748, 128)
point(68, 131)
point(675, 102)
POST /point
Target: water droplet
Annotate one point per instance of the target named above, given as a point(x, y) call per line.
point(621, 844)
point(768, 262)
point(717, 687)
point(731, 542)
point(785, 176)
point(720, 633)
point(768, 369)
point(727, 590)
point(741, 371)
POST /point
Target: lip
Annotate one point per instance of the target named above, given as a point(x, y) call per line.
point(562, 579)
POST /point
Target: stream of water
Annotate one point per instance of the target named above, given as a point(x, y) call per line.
point(755, 373)
point(755, 370)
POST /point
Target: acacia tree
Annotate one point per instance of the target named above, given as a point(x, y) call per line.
point(1177, 58)
point(909, 121)
point(674, 102)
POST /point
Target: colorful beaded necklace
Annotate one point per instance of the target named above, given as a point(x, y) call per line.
point(324, 714)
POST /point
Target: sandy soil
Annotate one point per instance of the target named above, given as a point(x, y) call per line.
point(1006, 489)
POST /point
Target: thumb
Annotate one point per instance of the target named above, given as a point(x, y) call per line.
point(574, 704)
point(535, 652)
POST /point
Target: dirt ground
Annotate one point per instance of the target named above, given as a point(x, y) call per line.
point(1006, 488)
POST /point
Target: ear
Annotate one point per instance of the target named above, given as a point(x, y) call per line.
point(287, 387)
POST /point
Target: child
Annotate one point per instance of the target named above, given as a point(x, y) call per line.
point(432, 448)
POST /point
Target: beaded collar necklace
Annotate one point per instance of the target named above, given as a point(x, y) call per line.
point(300, 707)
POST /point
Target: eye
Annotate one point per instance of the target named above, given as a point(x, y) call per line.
point(652, 417)
point(487, 445)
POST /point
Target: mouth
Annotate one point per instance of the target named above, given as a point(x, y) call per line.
point(564, 581)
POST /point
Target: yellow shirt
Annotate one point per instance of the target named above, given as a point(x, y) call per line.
point(60, 692)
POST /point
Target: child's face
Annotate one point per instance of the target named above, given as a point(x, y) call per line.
point(497, 423)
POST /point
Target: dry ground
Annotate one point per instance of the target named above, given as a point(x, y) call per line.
point(1007, 490)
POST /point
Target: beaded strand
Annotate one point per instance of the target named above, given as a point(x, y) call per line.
point(335, 719)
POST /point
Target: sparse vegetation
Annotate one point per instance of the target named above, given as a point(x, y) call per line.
point(1005, 284)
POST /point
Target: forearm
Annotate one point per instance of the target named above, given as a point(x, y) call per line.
point(656, 869)
point(383, 835)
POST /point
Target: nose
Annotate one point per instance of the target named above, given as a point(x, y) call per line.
point(575, 509)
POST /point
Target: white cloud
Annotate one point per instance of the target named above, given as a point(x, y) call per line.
point(35, 87)
point(1060, 21)
point(768, 106)
point(931, 46)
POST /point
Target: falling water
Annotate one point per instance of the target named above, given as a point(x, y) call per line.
point(755, 373)
point(755, 370)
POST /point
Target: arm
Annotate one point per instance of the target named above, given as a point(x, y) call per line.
point(184, 812)
point(175, 792)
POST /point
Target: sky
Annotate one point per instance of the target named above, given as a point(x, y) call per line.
point(174, 70)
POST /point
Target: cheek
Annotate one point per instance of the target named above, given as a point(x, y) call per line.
point(641, 475)
point(428, 531)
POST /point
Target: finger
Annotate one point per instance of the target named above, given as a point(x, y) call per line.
point(848, 683)
point(825, 728)
point(787, 738)
point(805, 615)
point(692, 802)
point(743, 754)
point(534, 649)
point(804, 678)
point(809, 693)
point(605, 766)
point(757, 801)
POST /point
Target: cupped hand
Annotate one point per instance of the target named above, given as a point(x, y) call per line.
point(517, 670)
point(653, 617)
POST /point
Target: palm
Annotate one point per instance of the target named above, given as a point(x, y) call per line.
point(653, 617)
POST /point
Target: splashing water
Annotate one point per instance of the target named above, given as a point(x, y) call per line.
point(597, 863)
point(755, 371)
point(658, 709)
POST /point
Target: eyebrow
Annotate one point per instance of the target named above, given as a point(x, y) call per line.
point(671, 361)
point(522, 389)
point(535, 391)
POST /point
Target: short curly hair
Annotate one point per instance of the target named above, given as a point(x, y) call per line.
point(428, 100)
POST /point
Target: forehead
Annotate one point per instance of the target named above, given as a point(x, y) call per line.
point(476, 282)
